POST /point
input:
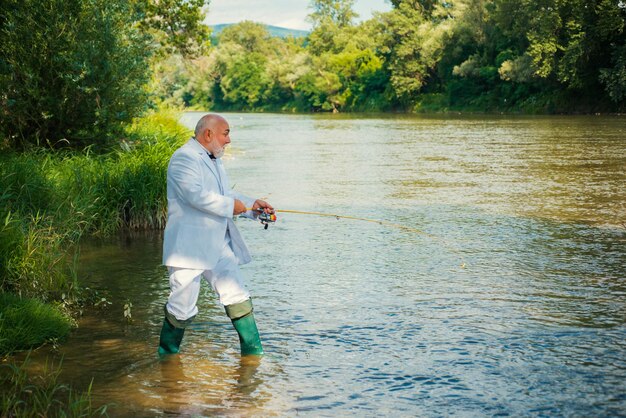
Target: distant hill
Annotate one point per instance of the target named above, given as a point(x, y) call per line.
point(273, 30)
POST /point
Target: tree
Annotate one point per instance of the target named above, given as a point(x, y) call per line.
point(575, 43)
point(611, 24)
point(337, 12)
point(241, 65)
point(71, 71)
point(412, 45)
point(176, 25)
point(425, 7)
point(330, 20)
point(244, 82)
point(614, 78)
point(251, 36)
point(285, 68)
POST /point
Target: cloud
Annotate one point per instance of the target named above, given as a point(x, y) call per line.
point(294, 23)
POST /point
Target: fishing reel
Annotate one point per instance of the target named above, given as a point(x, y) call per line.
point(266, 218)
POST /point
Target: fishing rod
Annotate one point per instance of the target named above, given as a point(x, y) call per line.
point(268, 218)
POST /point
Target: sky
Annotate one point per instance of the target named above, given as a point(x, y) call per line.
point(284, 13)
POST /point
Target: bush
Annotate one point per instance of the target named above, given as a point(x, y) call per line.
point(71, 71)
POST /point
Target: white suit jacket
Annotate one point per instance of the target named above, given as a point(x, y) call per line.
point(199, 210)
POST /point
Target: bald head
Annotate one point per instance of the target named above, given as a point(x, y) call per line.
point(208, 121)
point(213, 133)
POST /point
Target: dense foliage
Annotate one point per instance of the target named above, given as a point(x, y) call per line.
point(72, 72)
point(531, 55)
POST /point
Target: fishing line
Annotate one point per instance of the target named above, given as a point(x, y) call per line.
point(356, 218)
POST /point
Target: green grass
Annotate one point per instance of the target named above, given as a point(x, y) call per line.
point(27, 323)
point(33, 257)
point(22, 395)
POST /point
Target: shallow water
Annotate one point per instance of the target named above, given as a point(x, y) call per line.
point(510, 299)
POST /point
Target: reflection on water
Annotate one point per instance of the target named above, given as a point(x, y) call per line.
point(360, 319)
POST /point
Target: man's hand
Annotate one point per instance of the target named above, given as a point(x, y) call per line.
point(239, 207)
point(261, 204)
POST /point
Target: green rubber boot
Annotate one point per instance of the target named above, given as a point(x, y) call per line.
point(243, 320)
point(248, 335)
point(171, 338)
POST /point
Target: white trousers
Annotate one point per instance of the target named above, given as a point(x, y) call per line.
point(225, 279)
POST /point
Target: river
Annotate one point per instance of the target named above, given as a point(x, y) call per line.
point(507, 295)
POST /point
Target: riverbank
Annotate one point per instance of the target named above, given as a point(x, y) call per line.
point(489, 103)
point(51, 199)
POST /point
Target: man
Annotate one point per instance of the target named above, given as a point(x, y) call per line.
point(201, 239)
